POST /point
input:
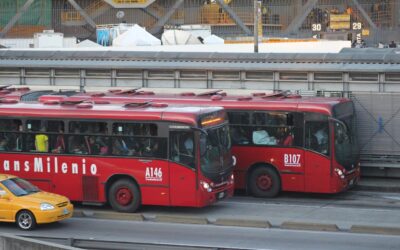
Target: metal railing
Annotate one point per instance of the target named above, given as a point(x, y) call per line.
point(74, 15)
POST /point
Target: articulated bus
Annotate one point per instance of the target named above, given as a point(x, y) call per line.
point(282, 142)
point(127, 155)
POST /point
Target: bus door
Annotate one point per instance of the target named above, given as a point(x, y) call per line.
point(317, 154)
point(183, 176)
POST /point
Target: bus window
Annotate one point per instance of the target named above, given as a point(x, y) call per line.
point(37, 139)
point(182, 148)
point(88, 138)
point(240, 135)
point(55, 130)
point(124, 142)
point(151, 145)
point(317, 136)
point(57, 141)
point(10, 135)
point(240, 118)
point(272, 118)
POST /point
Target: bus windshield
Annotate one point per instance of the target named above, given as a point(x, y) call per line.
point(216, 159)
point(346, 145)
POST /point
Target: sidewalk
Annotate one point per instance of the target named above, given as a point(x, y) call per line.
point(379, 184)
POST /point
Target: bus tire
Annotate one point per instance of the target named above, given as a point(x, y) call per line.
point(124, 196)
point(25, 220)
point(264, 182)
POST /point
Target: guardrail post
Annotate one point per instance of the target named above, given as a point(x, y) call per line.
point(310, 80)
point(276, 80)
point(82, 82)
point(113, 78)
point(209, 79)
point(242, 76)
point(22, 79)
point(145, 79)
point(381, 79)
point(52, 77)
point(346, 79)
point(177, 82)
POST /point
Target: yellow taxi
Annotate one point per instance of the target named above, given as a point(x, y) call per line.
point(26, 205)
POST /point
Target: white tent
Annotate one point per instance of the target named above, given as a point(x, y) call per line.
point(213, 39)
point(135, 36)
point(178, 37)
point(88, 44)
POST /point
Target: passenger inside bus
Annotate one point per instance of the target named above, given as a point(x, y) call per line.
point(261, 137)
point(260, 134)
point(93, 146)
point(150, 145)
point(59, 146)
point(120, 147)
point(3, 144)
point(182, 147)
point(42, 141)
point(321, 136)
point(76, 143)
point(286, 136)
point(18, 139)
point(239, 135)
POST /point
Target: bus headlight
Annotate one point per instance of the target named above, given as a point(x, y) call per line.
point(46, 206)
point(339, 172)
point(206, 186)
point(232, 179)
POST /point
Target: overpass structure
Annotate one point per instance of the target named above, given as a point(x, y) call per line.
point(371, 77)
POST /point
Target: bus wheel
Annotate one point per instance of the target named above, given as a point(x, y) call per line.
point(26, 220)
point(264, 182)
point(124, 196)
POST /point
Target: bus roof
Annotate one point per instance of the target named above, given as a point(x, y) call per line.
point(87, 110)
point(256, 101)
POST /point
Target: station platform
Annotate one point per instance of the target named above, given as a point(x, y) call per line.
point(379, 184)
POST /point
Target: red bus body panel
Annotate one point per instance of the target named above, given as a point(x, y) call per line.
point(84, 177)
point(315, 172)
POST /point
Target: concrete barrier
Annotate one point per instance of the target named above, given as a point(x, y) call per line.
point(309, 226)
point(375, 230)
point(11, 242)
point(181, 219)
point(243, 223)
point(109, 215)
point(291, 225)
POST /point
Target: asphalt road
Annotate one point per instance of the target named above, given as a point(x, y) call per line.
point(208, 235)
point(344, 210)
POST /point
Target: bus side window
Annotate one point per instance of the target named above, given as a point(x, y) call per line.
point(152, 145)
point(10, 135)
point(239, 118)
point(240, 135)
point(317, 136)
point(31, 127)
point(182, 148)
point(56, 136)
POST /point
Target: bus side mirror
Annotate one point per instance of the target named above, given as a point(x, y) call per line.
point(4, 195)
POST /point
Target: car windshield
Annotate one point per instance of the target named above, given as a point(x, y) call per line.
point(215, 151)
point(19, 187)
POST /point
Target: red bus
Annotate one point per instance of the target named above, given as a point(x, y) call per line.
point(127, 155)
point(282, 142)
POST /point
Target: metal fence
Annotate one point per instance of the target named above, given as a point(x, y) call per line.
point(374, 21)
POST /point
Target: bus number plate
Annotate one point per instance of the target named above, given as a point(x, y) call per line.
point(221, 195)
